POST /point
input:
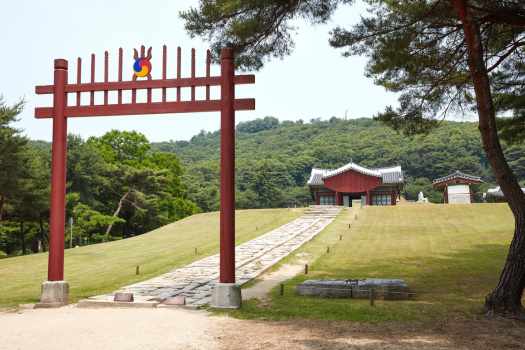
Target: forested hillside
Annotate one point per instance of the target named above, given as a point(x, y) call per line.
point(274, 158)
point(117, 187)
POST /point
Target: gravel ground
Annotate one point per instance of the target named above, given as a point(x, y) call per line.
point(158, 329)
point(71, 328)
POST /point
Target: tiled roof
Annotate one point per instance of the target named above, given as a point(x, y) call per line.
point(391, 175)
point(316, 176)
point(352, 166)
point(458, 175)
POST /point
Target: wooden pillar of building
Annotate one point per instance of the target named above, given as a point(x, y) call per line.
point(337, 198)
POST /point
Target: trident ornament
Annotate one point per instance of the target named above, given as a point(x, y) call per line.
point(142, 65)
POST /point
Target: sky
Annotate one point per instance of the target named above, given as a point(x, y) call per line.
point(314, 82)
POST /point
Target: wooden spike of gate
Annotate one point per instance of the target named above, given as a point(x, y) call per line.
point(92, 94)
point(79, 78)
point(208, 64)
point(193, 73)
point(178, 70)
point(120, 74)
point(106, 75)
point(164, 69)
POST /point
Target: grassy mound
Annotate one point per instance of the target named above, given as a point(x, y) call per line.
point(104, 267)
point(450, 255)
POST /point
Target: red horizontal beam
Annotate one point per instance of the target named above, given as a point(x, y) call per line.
point(243, 104)
point(146, 84)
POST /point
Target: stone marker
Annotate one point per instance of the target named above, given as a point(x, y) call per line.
point(123, 297)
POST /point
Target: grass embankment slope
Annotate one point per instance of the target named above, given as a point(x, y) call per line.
point(104, 267)
point(450, 255)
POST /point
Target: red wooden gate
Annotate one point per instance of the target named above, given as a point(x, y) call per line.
point(61, 110)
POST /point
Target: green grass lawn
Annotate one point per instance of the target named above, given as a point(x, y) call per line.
point(104, 267)
point(450, 255)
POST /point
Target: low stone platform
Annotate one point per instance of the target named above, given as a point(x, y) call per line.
point(388, 289)
point(195, 282)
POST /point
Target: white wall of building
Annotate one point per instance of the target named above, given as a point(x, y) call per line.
point(459, 194)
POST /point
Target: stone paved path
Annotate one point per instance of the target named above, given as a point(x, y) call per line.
point(196, 280)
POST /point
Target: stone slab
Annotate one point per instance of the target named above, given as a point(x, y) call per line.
point(123, 297)
point(388, 289)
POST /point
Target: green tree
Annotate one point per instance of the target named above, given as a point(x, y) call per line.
point(173, 203)
point(12, 153)
point(257, 125)
point(87, 170)
point(265, 182)
point(31, 204)
point(91, 224)
point(129, 147)
point(141, 186)
point(24, 189)
point(442, 55)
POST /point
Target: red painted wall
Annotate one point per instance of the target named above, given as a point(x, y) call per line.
point(352, 181)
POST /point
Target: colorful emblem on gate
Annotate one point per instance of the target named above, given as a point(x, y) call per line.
point(142, 65)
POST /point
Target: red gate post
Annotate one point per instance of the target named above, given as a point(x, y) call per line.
point(55, 291)
point(226, 293)
point(227, 225)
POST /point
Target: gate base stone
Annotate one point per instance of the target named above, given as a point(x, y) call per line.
point(226, 296)
point(54, 294)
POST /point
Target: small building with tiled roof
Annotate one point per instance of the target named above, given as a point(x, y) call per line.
point(374, 186)
point(456, 187)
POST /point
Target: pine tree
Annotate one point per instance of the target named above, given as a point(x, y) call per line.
point(12, 153)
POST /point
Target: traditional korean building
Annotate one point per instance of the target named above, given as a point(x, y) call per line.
point(456, 187)
point(340, 186)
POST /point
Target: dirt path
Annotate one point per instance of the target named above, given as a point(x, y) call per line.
point(269, 280)
point(331, 335)
point(162, 329)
